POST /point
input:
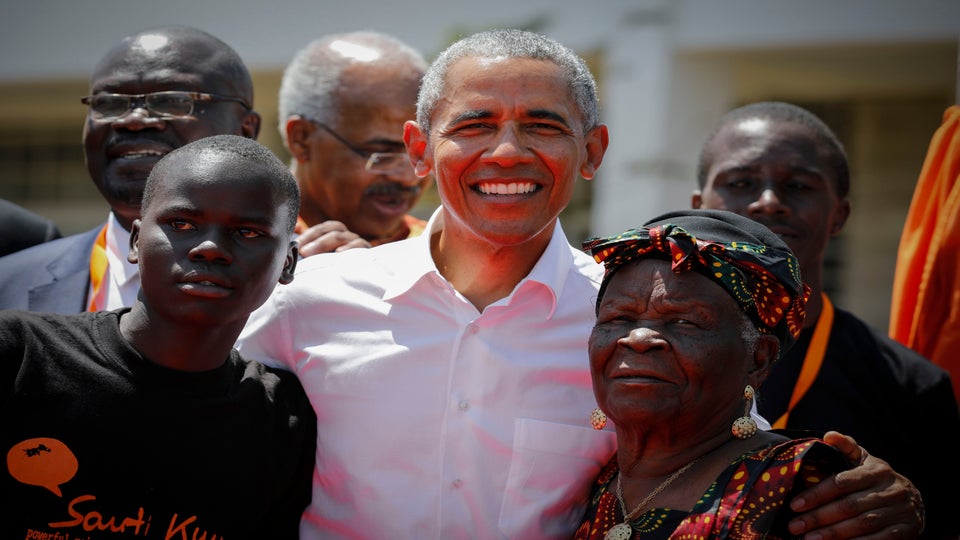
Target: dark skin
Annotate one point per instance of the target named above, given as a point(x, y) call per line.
point(329, 236)
point(775, 173)
point(665, 346)
point(212, 245)
point(120, 153)
point(504, 125)
point(345, 205)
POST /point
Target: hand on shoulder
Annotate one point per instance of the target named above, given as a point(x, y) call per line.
point(870, 500)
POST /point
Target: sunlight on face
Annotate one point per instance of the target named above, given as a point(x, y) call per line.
point(360, 53)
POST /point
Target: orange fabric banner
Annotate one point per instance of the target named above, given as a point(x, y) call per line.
point(925, 312)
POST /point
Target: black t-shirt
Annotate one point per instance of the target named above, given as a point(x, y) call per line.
point(897, 405)
point(101, 443)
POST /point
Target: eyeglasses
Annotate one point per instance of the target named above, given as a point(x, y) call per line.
point(173, 104)
point(377, 162)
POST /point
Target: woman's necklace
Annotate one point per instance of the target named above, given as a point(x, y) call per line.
point(623, 531)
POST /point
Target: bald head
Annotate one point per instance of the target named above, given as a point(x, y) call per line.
point(345, 63)
point(121, 150)
point(180, 50)
point(830, 148)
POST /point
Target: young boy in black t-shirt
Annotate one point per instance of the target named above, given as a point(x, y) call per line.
point(145, 422)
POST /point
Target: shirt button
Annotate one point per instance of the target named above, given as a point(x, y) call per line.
point(463, 405)
point(457, 484)
point(473, 328)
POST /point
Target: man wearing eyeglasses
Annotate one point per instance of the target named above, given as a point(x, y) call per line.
point(343, 102)
point(155, 91)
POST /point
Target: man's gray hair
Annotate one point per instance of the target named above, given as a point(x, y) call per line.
point(511, 43)
point(310, 82)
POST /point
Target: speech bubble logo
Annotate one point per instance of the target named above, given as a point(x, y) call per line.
point(42, 462)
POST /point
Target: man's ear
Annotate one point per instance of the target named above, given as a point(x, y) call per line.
point(250, 128)
point(289, 263)
point(596, 141)
point(764, 355)
point(133, 256)
point(298, 131)
point(840, 216)
point(416, 142)
point(696, 202)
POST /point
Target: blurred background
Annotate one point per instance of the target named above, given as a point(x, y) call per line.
point(879, 72)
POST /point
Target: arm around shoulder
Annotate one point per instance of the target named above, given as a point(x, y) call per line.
point(870, 500)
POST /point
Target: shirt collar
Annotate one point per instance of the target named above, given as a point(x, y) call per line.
point(418, 262)
point(551, 270)
point(118, 246)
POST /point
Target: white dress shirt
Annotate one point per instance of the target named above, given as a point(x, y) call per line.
point(122, 281)
point(436, 420)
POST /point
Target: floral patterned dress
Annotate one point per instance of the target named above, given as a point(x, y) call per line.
point(748, 500)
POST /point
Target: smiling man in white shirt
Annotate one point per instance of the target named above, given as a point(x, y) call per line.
point(449, 371)
point(460, 353)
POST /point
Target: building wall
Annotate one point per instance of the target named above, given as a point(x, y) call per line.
point(880, 73)
point(883, 70)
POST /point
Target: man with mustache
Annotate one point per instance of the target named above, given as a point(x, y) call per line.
point(343, 102)
point(155, 91)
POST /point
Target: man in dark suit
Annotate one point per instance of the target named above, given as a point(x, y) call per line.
point(155, 91)
point(23, 228)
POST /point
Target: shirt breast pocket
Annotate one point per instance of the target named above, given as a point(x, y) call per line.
point(551, 473)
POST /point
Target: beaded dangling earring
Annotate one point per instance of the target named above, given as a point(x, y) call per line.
point(597, 419)
point(745, 427)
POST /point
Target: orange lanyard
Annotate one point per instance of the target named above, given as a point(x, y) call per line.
point(812, 361)
point(98, 269)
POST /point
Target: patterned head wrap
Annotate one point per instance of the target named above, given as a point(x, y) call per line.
point(745, 258)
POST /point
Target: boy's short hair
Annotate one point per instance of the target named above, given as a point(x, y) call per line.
point(243, 148)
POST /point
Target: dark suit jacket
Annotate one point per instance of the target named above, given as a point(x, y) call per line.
point(53, 276)
point(21, 228)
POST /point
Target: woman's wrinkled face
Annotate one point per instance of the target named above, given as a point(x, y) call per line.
point(668, 348)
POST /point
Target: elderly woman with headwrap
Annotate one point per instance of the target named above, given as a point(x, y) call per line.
point(693, 309)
